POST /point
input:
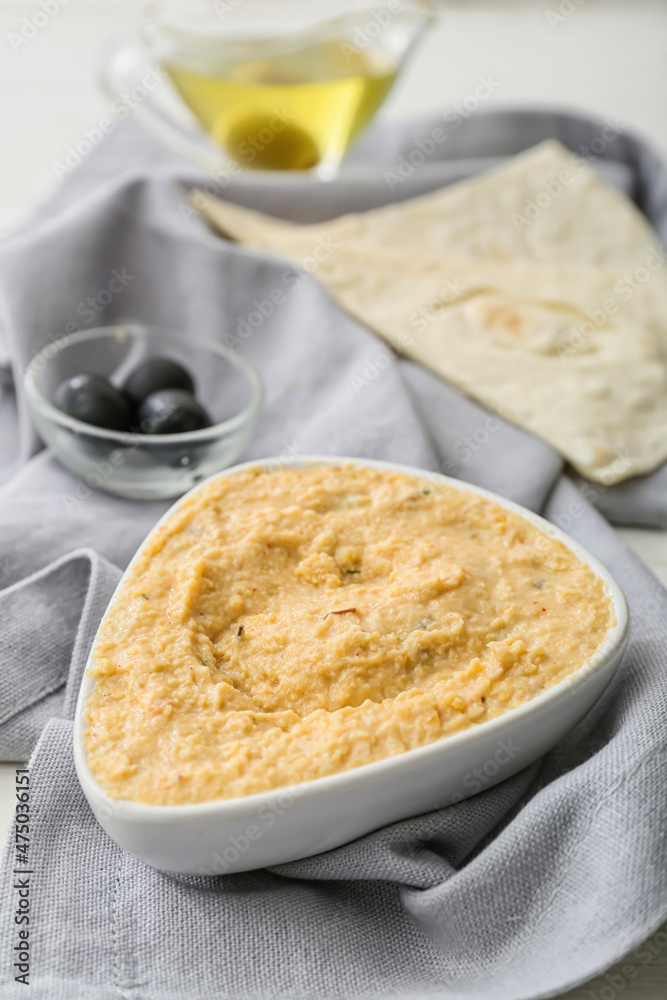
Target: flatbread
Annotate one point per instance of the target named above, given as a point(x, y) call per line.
point(560, 325)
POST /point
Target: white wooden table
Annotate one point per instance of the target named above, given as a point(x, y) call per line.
point(603, 56)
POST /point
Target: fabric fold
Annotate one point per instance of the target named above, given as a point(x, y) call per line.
point(48, 621)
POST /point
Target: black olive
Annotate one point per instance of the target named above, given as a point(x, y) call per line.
point(172, 411)
point(93, 399)
point(155, 374)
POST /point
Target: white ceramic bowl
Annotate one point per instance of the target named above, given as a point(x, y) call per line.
point(242, 834)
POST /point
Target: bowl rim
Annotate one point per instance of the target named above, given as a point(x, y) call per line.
point(152, 11)
point(143, 813)
point(118, 331)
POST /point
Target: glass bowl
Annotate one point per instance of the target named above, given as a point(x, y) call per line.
point(131, 464)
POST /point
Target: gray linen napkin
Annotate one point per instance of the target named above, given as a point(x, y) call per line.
point(527, 888)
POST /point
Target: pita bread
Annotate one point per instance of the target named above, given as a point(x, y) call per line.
point(546, 323)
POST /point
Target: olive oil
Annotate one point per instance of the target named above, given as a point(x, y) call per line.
point(293, 112)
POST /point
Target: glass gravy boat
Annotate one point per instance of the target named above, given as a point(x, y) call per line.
point(282, 85)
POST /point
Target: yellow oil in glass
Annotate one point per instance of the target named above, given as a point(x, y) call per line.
point(289, 113)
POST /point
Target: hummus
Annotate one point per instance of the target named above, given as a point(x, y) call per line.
point(286, 625)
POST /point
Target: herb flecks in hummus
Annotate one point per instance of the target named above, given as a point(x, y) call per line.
point(282, 626)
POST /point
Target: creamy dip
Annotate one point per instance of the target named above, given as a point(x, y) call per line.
point(282, 626)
